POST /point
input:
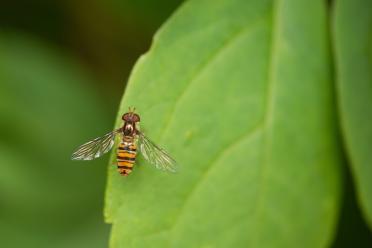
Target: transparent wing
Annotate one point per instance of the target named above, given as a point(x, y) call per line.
point(156, 155)
point(95, 148)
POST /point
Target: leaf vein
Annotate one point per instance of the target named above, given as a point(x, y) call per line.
point(247, 136)
point(267, 124)
point(203, 67)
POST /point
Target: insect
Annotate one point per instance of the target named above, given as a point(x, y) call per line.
point(126, 153)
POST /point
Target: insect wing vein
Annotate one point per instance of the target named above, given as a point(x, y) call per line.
point(156, 155)
point(95, 148)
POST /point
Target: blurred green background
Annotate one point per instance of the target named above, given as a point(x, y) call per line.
point(63, 68)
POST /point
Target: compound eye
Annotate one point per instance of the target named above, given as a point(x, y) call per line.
point(135, 118)
point(125, 117)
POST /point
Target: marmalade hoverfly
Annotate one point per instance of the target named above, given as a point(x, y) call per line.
point(127, 149)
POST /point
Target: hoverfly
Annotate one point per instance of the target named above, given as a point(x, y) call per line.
point(127, 150)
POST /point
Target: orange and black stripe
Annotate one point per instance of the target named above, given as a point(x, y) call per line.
point(126, 156)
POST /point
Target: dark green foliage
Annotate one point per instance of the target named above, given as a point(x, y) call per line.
point(353, 58)
point(43, 193)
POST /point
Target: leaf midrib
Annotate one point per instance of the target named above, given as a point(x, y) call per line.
point(267, 123)
point(263, 125)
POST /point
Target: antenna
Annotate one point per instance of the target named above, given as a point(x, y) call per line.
point(131, 110)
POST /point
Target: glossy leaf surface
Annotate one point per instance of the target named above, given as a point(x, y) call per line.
point(239, 92)
point(353, 51)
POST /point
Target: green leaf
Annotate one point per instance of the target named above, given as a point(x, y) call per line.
point(45, 197)
point(353, 50)
point(239, 92)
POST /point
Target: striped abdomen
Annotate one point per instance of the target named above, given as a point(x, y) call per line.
point(126, 156)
